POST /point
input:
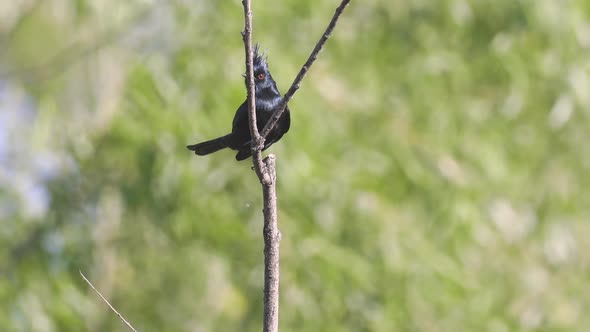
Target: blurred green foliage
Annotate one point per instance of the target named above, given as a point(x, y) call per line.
point(435, 177)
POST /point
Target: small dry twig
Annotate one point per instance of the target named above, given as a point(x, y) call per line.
point(312, 57)
point(257, 141)
point(107, 302)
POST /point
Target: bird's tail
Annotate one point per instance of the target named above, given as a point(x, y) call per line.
point(208, 147)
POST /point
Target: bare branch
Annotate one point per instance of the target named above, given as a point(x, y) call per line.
point(312, 57)
point(107, 302)
point(272, 237)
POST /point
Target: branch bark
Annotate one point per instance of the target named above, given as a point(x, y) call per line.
point(272, 238)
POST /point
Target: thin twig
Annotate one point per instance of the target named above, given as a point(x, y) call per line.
point(254, 134)
point(107, 302)
point(312, 57)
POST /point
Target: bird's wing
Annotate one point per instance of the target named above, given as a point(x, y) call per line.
point(241, 117)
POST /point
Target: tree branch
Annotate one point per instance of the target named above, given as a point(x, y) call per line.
point(265, 169)
point(107, 302)
point(312, 57)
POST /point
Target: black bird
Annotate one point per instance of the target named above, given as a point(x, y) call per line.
point(268, 99)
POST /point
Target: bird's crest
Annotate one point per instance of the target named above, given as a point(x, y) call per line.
point(259, 59)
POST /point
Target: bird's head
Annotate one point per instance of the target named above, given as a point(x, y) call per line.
point(262, 78)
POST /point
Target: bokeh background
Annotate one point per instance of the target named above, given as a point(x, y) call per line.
point(436, 176)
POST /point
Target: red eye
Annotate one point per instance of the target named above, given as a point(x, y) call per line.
point(260, 76)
